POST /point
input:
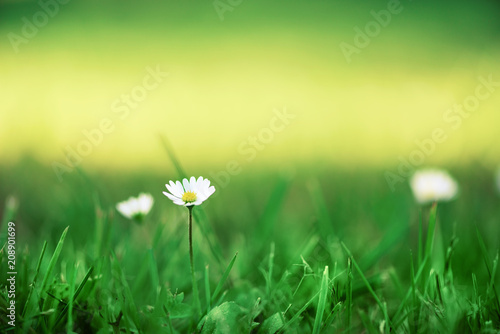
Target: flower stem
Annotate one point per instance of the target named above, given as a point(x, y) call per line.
point(191, 260)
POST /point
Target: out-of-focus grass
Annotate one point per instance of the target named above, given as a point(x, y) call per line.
point(285, 227)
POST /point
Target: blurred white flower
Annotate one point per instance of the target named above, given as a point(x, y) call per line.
point(136, 207)
point(431, 185)
point(189, 192)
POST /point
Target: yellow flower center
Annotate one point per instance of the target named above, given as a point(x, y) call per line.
point(189, 197)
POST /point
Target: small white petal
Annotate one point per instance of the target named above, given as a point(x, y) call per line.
point(124, 209)
point(211, 190)
point(170, 190)
point(179, 202)
point(200, 196)
point(172, 197)
point(180, 189)
point(145, 203)
point(134, 205)
point(172, 187)
point(187, 186)
point(192, 181)
point(202, 191)
point(193, 184)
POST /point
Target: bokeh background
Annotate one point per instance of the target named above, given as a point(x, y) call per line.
point(227, 76)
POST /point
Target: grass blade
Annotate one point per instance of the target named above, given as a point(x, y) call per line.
point(76, 293)
point(33, 286)
point(130, 309)
point(323, 293)
point(155, 280)
point(413, 297)
point(297, 315)
point(223, 279)
point(69, 325)
point(487, 262)
point(349, 295)
point(420, 238)
point(53, 261)
point(207, 288)
point(408, 294)
point(269, 277)
point(367, 284)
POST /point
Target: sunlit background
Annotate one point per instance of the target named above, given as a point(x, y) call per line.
point(230, 67)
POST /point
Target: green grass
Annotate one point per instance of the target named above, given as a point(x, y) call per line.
point(287, 253)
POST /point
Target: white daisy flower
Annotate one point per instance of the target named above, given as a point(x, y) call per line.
point(431, 185)
point(189, 193)
point(136, 207)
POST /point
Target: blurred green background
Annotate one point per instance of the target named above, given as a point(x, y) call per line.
point(227, 76)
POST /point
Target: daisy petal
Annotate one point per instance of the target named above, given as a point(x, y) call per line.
point(200, 195)
point(199, 186)
point(187, 186)
point(174, 190)
point(172, 197)
point(179, 202)
point(192, 183)
point(180, 189)
point(136, 206)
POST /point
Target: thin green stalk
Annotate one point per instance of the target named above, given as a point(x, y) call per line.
point(191, 260)
point(431, 230)
point(413, 327)
point(269, 279)
point(70, 323)
point(420, 238)
point(207, 288)
point(383, 306)
point(33, 285)
point(349, 295)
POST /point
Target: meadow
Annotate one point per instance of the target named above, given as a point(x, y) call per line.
point(275, 252)
point(306, 116)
